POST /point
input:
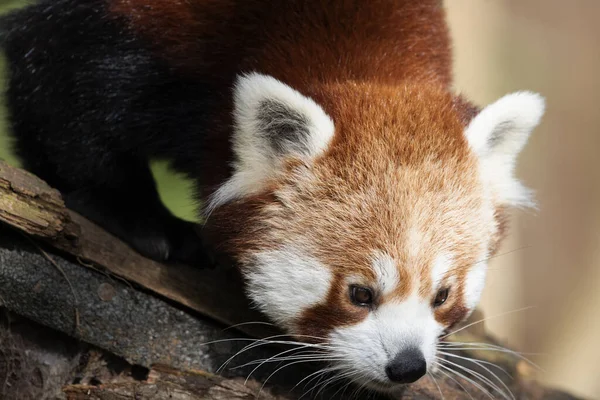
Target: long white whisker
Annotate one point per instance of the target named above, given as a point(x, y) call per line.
point(321, 371)
point(335, 378)
point(266, 341)
point(274, 372)
point(248, 323)
point(318, 383)
point(331, 380)
point(447, 375)
point(277, 357)
point(478, 361)
point(452, 343)
point(436, 384)
point(360, 389)
point(503, 254)
point(271, 359)
point(468, 346)
point(480, 364)
point(491, 347)
point(482, 378)
point(471, 381)
point(288, 358)
point(343, 389)
point(487, 319)
point(319, 376)
point(476, 345)
point(229, 340)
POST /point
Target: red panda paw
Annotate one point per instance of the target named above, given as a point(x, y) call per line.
point(179, 243)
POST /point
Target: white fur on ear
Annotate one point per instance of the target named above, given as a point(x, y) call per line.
point(497, 135)
point(272, 121)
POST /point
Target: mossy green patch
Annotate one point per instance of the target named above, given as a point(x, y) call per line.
point(176, 191)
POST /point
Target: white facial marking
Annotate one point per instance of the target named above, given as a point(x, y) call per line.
point(441, 266)
point(272, 121)
point(386, 271)
point(285, 282)
point(370, 345)
point(474, 283)
point(413, 243)
point(497, 135)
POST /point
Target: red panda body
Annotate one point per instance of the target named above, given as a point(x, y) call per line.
point(298, 42)
point(309, 45)
point(359, 196)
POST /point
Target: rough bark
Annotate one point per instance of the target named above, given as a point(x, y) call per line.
point(30, 205)
point(35, 362)
point(113, 315)
point(164, 383)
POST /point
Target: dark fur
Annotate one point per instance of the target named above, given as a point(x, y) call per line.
point(89, 105)
point(97, 87)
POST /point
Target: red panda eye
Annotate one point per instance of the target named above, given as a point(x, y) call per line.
point(440, 297)
point(361, 296)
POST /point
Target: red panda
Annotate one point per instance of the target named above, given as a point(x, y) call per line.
point(359, 196)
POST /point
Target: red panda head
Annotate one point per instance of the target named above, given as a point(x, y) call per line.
point(364, 214)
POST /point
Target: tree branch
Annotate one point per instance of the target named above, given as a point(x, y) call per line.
point(165, 383)
point(30, 205)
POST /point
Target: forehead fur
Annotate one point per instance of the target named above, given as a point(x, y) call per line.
point(398, 177)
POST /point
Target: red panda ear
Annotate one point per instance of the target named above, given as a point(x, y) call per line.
point(275, 120)
point(497, 135)
point(272, 122)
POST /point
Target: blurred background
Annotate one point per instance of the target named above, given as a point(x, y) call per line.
point(551, 262)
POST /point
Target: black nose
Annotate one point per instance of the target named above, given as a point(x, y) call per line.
point(408, 366)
